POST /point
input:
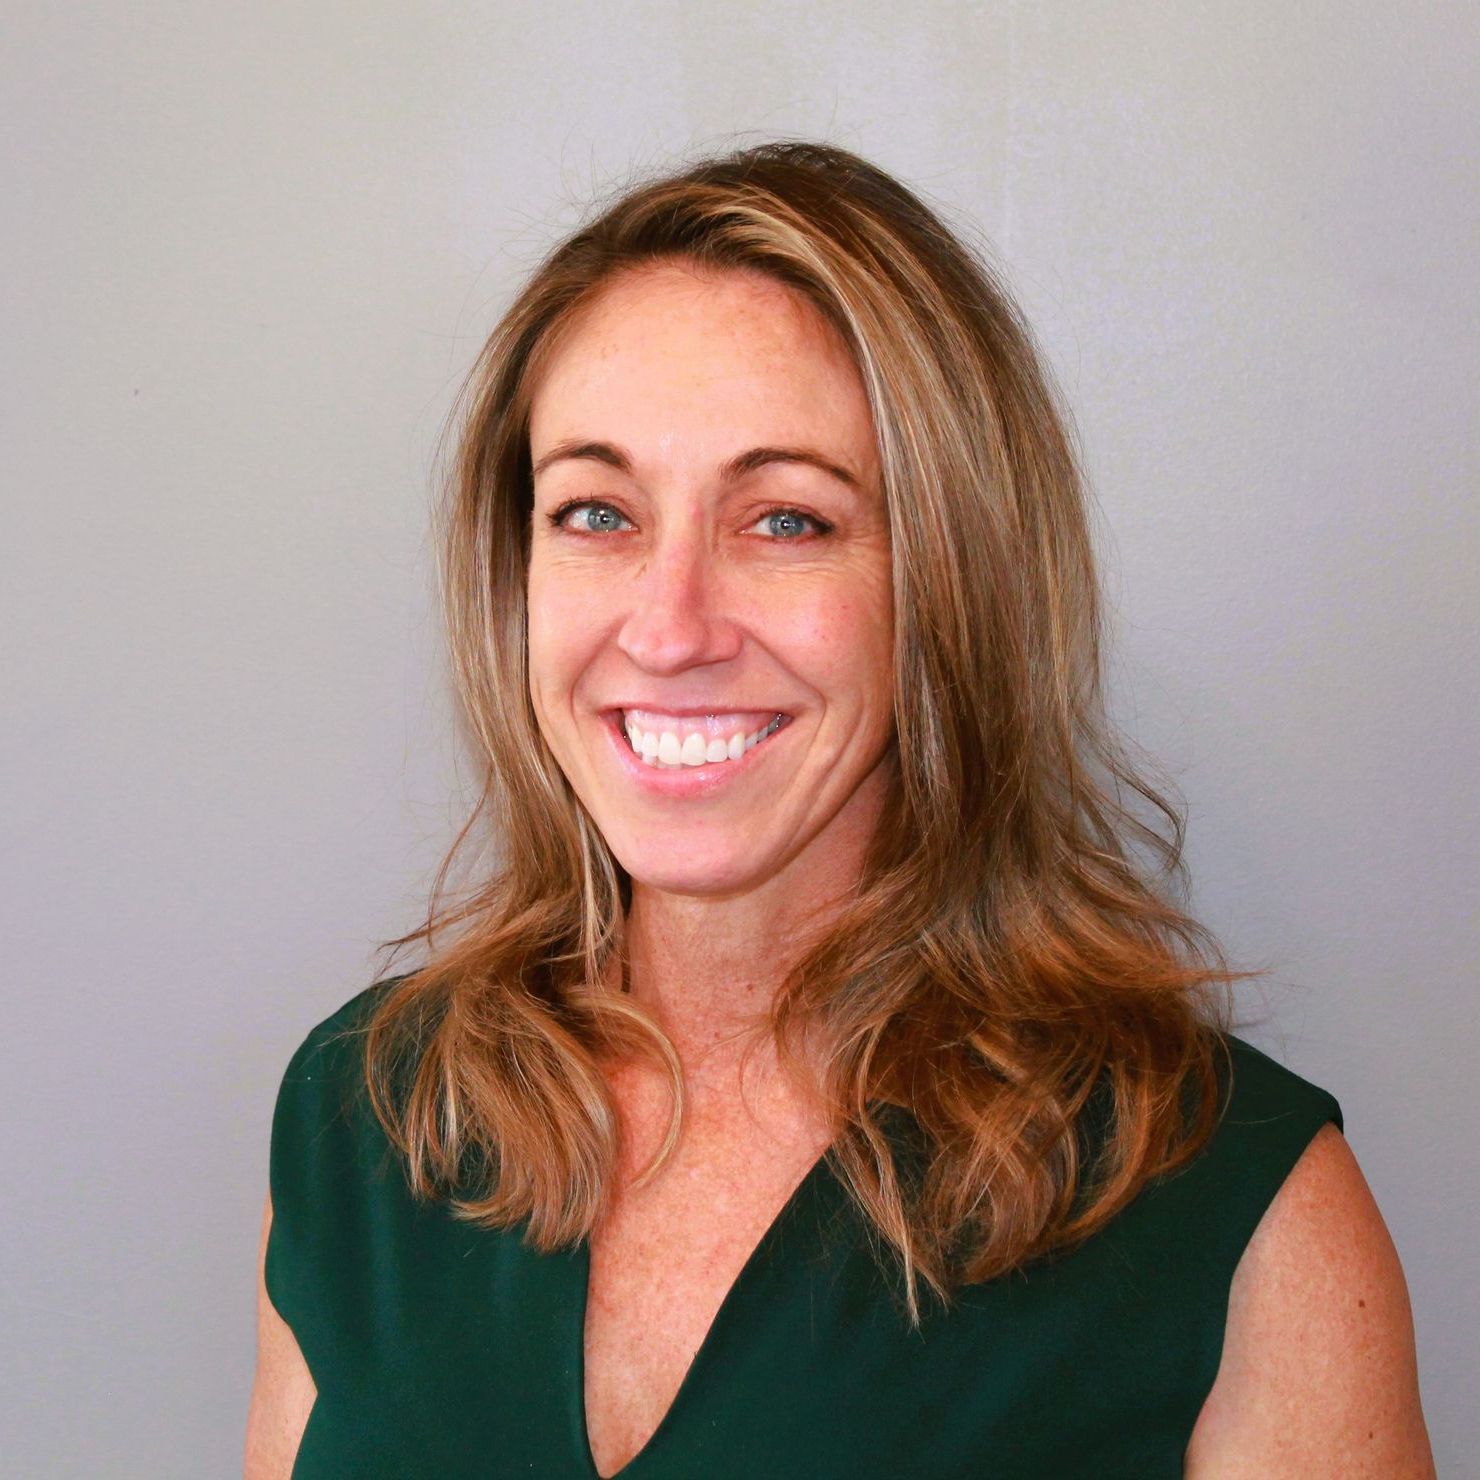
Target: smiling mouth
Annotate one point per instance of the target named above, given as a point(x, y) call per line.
point(674, 742)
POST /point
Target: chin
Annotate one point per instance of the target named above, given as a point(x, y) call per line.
point(696, 877)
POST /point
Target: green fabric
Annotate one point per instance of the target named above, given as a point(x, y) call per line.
point(442, 1350)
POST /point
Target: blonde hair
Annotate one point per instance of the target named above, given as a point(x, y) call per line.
point(1006, 970)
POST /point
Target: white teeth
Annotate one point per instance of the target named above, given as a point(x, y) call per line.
point(664, 748)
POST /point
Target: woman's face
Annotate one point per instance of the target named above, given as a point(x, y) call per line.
point(710, 550)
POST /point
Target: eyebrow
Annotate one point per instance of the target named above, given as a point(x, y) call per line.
point(731, 470)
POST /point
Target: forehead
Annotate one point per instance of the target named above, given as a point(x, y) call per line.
point(737, 351)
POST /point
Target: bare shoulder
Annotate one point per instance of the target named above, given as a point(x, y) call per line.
point(1319, 1375)
point(283, 1391)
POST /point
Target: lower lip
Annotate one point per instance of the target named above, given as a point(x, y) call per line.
point(684, 781)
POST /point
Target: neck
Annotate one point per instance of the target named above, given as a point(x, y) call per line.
point(708, 968)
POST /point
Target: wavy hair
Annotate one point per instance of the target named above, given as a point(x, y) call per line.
point(1013, 968)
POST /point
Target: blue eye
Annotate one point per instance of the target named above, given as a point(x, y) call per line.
point(794, 520)
point(787, 526)
point(599, 518)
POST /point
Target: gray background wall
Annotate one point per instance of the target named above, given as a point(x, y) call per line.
point(247, 253)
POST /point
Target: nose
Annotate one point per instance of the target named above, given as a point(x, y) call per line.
point(677, 616)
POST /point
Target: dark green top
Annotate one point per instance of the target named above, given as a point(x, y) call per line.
point(442, 1350)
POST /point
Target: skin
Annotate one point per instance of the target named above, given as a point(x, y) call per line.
point(1319, 1376)
point(767, 589)
point(698, 596)
point(695, 593)
point(283, 1391)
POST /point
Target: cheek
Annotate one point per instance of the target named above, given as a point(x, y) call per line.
point(841, 639)
point(561, 614)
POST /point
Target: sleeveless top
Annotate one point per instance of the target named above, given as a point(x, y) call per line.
point(442, 1349)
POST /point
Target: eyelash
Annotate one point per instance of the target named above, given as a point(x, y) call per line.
point(557, 519)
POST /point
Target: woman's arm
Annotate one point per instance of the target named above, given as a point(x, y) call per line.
point(282, 1390)
point(1319, 1375)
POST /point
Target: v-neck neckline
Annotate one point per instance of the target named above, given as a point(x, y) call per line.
point(724, 1316)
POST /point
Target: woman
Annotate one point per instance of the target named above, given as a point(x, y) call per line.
point(817, 1086)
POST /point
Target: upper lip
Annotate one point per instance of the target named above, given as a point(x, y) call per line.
point(693, 711)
